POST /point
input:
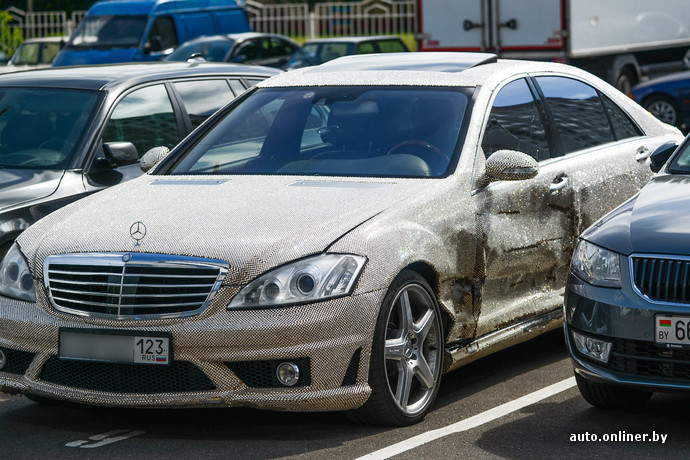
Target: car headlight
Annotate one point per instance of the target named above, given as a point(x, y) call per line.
point(312, 279)
point(15, 278)
point(597, 266)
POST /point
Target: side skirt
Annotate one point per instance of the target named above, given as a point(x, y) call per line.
point(461, 354)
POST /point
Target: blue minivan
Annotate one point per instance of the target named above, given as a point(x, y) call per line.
point(146, 30)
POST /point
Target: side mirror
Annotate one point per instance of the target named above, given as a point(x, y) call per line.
point(660, 155)
point(509, 165)
point(120, 153)
point(239, 59)
point(153, 157)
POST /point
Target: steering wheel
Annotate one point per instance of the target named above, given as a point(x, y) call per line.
point(52, 144)
point(424, 144)
point(30, 158)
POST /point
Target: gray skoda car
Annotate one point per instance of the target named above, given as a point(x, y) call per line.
point(334, 239)
point(66, 133)
point(626, 303)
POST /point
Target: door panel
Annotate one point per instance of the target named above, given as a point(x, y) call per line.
point(453, 25)
point(528, 233)
point(527, 24)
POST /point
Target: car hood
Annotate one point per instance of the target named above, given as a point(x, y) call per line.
point(21, 185)
point(253, 222)
point(655, 221)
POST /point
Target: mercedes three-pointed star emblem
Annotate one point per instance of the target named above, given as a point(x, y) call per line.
point(138, 232)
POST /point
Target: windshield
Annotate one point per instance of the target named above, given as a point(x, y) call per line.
point(210, 51)
point(40, 128)
point(334, 131)
point(681, 162)
point(109, 31)
point(35, 53)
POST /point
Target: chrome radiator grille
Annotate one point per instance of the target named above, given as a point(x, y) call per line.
point(129, 286)
point(662, 279)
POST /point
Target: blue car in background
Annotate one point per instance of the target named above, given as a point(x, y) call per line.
point(146, 30)
point(667, 98)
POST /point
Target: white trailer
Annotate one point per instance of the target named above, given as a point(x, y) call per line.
point(620, 40)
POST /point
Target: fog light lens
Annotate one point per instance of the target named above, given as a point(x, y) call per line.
point(288, 374)
point(592, 348)
point(3, 359)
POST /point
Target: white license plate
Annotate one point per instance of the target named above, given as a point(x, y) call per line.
point(115, 347)
point(672, 329)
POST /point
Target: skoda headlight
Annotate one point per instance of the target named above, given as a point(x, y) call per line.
point(597, 266)
point(312, 279)
point(15, 277)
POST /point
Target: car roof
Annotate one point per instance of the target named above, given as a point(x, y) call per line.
point(46, 40)
point(110, 77)
point(238, 37)
point(416, 69)
point(353, 39)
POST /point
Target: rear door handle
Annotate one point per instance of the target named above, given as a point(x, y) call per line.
point(558, 183)
point(642, 154)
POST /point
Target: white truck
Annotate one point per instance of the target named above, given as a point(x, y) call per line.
point(621, 41)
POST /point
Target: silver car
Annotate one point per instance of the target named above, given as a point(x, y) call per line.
point(335, 239)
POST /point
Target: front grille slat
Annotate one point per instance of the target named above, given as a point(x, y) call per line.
point(661, 279)
point(132, 285)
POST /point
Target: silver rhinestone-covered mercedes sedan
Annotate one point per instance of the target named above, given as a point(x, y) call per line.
point(334, 239)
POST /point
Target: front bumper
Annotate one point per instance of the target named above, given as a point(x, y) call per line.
point(627, 320)
point(220, 358)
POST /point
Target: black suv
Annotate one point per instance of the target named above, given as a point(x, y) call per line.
point(69, 132)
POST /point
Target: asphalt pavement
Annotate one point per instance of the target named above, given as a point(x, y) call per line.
point(518, 403)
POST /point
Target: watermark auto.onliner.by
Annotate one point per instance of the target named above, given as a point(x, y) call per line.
point(621, 436)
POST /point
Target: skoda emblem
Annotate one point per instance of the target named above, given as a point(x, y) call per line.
point(138, 232)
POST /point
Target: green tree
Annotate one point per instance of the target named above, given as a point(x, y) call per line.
point(10, 37)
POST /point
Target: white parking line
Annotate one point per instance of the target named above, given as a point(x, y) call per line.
point(472, 422)
point(105, 439)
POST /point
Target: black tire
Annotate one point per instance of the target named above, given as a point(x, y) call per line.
point(606, 396)
point(664, 108)
point(625, 81)
point(406, 356)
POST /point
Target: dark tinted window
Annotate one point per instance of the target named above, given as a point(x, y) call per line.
point(577, 112)
point(203, 98)
point(250, 49)
point(109, 31)
point(623, 126)
point(145, 118)
point(280, 47)
point(162, 35)
point(41, 128)
point(514, 123)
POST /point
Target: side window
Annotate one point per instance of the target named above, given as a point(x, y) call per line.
point(623, 126)
point(48, 52)
point(254, 81)
point(203, 98)
point(331, 51)
point(145, 118)
point(366, 48)
point(250, 50)
point(162, 35)
point(514, 123)
point(281, 48)
point(391, 46)
point(237, 87)
point(577, 112)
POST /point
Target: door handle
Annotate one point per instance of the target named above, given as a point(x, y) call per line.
point(642, 154)
point(558, 183)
